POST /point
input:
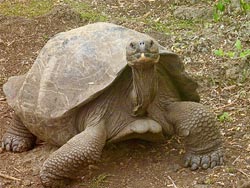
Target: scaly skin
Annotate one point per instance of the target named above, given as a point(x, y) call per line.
point(196, 124)
point(66, 162)
point(18, 138)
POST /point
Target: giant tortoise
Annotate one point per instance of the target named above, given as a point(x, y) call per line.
point(104, 83)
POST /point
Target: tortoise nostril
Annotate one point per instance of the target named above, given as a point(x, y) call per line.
point(142, 46)
point(142, 43)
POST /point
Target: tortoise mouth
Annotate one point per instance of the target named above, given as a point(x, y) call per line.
point(143, 59)
point(143, 53)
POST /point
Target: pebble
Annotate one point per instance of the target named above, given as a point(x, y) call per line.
point(185, 12)
point(27, 182)
point(176, 167)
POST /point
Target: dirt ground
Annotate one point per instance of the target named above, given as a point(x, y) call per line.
point(195, 36)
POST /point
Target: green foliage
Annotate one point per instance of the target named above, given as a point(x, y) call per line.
point(45, 37)
point(172, 25)
point(86, 11)
point(216, 16)
point(33, 8)
point(219, 52)
point(231, 170)
point(245, 53)
point(238, 44)
point(245, 75)
point(245, 6)
point(219, 8)
point(209, 180)
point(98, 182)
point(30, 8)
point(238, 51)
point(224, 117)
point(158, 26)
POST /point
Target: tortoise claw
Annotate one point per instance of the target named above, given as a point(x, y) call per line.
point(11, 142)
point(204, 161)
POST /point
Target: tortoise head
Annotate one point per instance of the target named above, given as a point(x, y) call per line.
point(142, 53)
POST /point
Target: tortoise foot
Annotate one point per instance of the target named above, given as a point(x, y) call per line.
point(15, 143)
point(204, 161)
point(52, 181)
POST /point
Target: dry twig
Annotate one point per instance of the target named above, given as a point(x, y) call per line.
point(235, 160)
point(172, 181)
point(243, 173)
point(9, 177)
point(226, 105)
point(2, 99)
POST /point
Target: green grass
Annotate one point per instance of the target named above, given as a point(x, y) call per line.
point(31, 8)
point(224, 117)
point(172, 25)
point(238, 52)
point(87, 12)
point(34, 8)
point(99, 181)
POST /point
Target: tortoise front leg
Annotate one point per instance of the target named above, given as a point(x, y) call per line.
point(197, 125)
point(17, 137)
point(80, 151)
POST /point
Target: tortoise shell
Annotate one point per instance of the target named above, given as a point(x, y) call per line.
point(76, 66)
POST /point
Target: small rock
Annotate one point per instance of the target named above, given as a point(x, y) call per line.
point(35, 171)
point(232, 73)
point(189, 13)
point(1, 150)
point(175, 167)
point(27, 182)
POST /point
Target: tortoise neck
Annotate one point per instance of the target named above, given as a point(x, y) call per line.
point(145, 85)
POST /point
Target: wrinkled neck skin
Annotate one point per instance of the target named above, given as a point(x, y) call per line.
point(145, 85)
point(129, 96)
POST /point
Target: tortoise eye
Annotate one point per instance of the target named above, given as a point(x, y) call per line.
point(132, 45)
point(151, 43)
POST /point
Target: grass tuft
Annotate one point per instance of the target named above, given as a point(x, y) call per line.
point(29, 8)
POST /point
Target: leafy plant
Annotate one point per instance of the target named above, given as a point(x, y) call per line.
point(224, 117)
point(219, 52)
point(219, 8)
point(221, 5)
point(238, 44)
point(238, 52)
point(245, 6)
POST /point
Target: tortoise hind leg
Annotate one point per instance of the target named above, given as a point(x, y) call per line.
point(17, 137)
point(202, 138)
point(65, 163)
